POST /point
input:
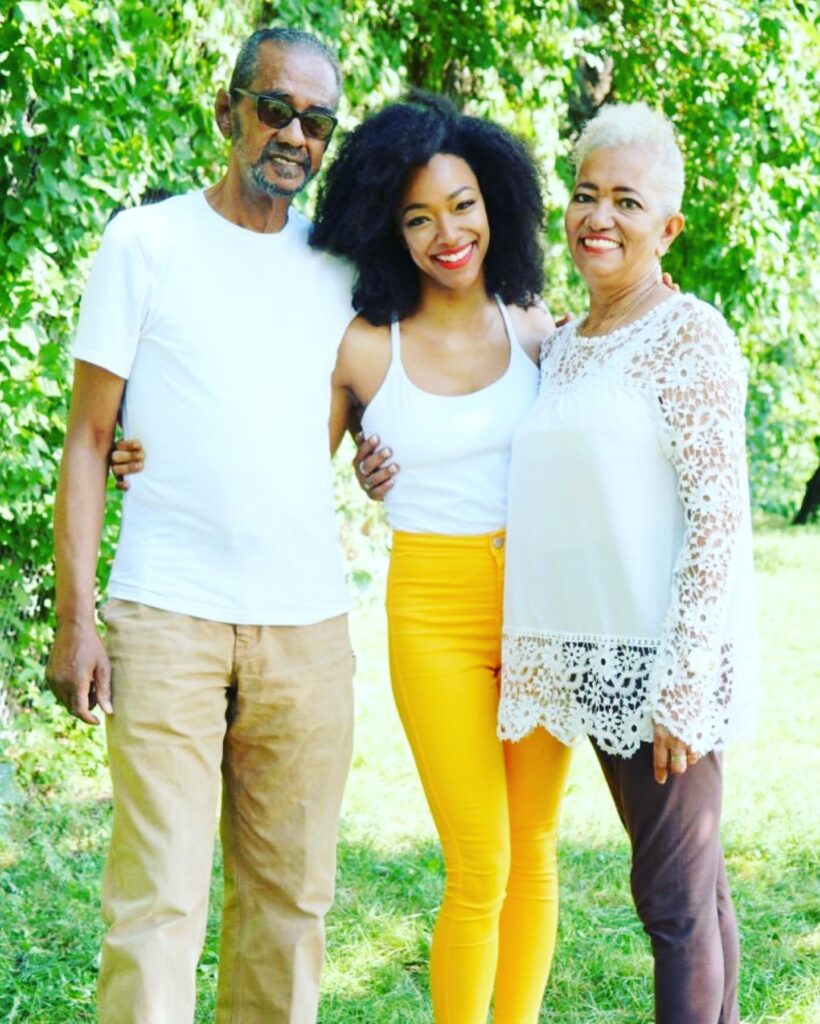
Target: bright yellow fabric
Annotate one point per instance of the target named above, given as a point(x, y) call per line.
point(495, 805)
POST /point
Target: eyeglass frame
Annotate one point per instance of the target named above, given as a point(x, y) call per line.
point(294, 113)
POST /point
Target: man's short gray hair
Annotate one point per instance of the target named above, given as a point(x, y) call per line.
point(247, 63)
point(637, 124)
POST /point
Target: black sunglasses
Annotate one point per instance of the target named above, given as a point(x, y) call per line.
point(277, 113)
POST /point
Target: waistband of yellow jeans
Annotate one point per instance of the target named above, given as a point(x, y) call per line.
point(405, 541)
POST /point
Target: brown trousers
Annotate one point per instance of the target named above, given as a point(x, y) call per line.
point(679, 884)
point(265, 714)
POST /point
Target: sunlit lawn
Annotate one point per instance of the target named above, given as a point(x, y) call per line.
point(390, 871)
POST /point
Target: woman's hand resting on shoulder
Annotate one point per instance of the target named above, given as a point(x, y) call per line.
point(127, 457)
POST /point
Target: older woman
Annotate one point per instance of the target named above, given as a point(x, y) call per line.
point(628, 612)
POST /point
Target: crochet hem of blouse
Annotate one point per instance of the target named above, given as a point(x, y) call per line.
point(607, 688)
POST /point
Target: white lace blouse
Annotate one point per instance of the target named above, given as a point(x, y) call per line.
point(628, 595)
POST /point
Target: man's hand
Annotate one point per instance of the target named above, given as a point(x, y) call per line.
point(79, 672)
point(374, 471)
point(671, 755)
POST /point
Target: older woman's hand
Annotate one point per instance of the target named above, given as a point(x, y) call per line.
point(671, 755)
point(374, 471)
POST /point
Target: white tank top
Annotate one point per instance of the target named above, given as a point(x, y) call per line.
point(453, 450)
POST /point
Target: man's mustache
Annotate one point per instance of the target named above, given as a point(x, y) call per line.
point(274, 149)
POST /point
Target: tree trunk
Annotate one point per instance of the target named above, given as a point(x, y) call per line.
point(811, 500)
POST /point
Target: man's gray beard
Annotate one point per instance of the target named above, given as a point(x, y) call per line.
point(269, 187)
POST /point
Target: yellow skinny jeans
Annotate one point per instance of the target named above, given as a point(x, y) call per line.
point(495, 804)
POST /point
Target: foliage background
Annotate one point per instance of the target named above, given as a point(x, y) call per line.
point(101, 101)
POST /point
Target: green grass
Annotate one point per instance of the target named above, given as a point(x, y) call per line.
point(390, 871)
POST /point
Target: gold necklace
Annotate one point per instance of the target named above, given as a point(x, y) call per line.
point(622, 317)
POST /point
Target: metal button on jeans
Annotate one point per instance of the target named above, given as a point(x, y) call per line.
point(498, 542)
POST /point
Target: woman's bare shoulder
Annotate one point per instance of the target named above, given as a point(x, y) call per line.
point(363, 340)
point(364, 356)
point(362, 332)
point(532, 326)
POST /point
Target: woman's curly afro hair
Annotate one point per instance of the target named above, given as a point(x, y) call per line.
point(356, 216)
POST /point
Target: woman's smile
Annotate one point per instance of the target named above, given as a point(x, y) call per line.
point(455, 259)
point(599, 243)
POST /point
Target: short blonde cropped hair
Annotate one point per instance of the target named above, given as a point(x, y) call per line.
point(637, 124)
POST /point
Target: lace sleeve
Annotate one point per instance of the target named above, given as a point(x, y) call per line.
point(545, 345)
point(548, 347)
point(702, 387)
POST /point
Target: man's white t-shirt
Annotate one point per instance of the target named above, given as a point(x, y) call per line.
point(227, 338)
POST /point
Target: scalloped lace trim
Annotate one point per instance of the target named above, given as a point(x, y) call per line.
point(575, 685)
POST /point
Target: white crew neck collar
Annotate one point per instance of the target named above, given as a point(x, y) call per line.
point(247, 235)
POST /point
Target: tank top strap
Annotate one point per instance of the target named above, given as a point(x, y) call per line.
point(515, 346)
point(505, 316)
point(395, 342)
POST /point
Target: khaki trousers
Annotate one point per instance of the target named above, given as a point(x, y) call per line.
point(265, 712)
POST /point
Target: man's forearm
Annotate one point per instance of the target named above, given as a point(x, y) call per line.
point(79, 672)
point(78, 517)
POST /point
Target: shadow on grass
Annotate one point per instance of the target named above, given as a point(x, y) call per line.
point(51, 858)
point(386, 908)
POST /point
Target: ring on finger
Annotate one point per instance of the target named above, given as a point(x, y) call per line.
point(677, 758)
point(362, 470)
point(368, 485)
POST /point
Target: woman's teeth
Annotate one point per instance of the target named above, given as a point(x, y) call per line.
point(453, 257)
point(601, 244)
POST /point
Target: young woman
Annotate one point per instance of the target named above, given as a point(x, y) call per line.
point(440, 215)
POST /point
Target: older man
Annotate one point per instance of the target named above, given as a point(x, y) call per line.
point(228, 658)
